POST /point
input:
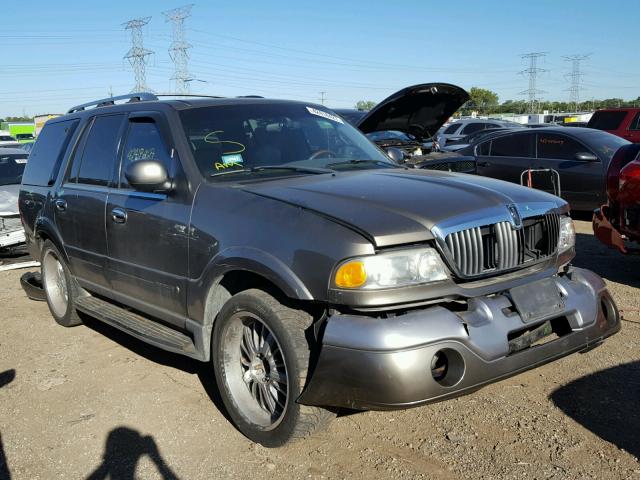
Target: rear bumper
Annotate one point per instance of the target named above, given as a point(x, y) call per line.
point(375, 363)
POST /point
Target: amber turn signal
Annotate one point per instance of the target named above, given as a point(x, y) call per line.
point(351, 275)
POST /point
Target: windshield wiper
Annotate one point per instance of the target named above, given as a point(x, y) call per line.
point(276, 167)
point(358, 161)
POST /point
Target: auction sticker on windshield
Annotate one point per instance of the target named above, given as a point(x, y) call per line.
point(327, 115)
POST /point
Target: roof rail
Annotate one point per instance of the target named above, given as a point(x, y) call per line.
point(132, 97)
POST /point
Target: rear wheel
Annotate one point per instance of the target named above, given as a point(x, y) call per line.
point(60, 288)
point(260, 356)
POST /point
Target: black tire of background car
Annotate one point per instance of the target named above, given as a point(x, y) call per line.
point(70, 318)
point(288, 325)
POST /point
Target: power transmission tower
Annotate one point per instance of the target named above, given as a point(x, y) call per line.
point(178, 50)
point(533, 72)
point(576, 77)
point(137, 54)
point(322, 97)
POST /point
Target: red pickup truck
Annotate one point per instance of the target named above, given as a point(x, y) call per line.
point(623, 122)
point(619, 220)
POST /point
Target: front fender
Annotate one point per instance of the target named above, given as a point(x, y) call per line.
point(247, 259)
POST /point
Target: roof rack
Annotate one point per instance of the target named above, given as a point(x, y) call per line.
point(132, 97)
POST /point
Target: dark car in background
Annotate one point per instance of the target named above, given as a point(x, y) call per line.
point(623, 122)
point(581, 157)
point(408, 121)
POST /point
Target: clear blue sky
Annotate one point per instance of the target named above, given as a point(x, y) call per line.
point(56, 54)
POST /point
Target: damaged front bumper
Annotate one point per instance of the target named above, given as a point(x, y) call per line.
point(605, 231)
point(391, 363)
point(11, 231)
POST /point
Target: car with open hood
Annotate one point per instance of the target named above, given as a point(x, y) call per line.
point(273, 241)
point(408, 120)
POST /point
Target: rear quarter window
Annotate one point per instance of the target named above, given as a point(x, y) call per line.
point(48, 152)
point(607, 120)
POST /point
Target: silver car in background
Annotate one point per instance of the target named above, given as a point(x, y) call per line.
point(12, 163)
point(461, 128)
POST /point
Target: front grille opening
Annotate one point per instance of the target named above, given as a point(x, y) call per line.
point(536, 335)
point(498, 247)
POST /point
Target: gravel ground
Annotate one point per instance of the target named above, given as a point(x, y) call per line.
point(90, 402)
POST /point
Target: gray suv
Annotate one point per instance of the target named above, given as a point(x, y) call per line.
point(273, 240)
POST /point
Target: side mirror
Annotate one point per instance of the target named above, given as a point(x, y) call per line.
point(396, 154)
point(586, 157)
point(148, 176)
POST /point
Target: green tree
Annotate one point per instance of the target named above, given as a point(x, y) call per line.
point(481, 100)
point(365, 105)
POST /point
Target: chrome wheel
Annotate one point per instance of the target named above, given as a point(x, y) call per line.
point(255, 370)
point(55, 284)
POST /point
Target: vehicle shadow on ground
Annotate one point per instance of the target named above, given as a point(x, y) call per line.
point(123, 448)
point(606, 262)
point(606, 403)
point(203, 370)
point(6, 378)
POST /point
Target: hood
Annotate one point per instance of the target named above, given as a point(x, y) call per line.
point(419, 110)
point(397, 206)
point(9, 199)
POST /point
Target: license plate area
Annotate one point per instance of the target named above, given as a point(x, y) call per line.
point(537, 300)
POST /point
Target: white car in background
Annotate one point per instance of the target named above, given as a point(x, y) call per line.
point(6, 140)
point(12, 163)
point(461, 128)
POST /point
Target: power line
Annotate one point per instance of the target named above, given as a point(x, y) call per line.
point(178, 50)
point(575, 76)
point(533, 72)
point(323, 96)
point(137, 54)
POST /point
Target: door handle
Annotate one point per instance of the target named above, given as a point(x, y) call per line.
point(61, 205)
point(118, 215)
point(483, 164)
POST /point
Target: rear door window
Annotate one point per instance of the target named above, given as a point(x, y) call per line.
point(100, 151)
point(48, 152)
point(472, 127)
point(607, 120)
point(518, 145)
point(558, 147)
point(144, 142)
point(451, 129)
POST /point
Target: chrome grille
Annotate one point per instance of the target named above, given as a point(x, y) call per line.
point(500, 246)
point(10, 224)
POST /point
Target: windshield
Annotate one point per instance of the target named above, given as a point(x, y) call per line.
point(6, 138)
point(607, 120)
point(12, 168)
point(248, 138)
point(605, 143)
point(24, 136)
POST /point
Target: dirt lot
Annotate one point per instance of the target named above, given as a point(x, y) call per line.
point(90, 402)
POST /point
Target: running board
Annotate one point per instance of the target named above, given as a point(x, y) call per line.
point(138, 326)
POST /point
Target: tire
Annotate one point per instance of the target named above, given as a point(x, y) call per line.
point(260, 391)
point(60, 288)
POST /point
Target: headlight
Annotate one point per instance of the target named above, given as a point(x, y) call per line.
point(567, 237)
point(392, 269)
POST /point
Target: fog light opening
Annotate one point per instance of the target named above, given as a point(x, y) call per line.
point(439, 366)
point(608, 310)
point(447, 367)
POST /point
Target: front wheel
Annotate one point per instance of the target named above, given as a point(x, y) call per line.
point(260, 357)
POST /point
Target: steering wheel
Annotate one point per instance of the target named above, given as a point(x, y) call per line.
point(320, 153)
